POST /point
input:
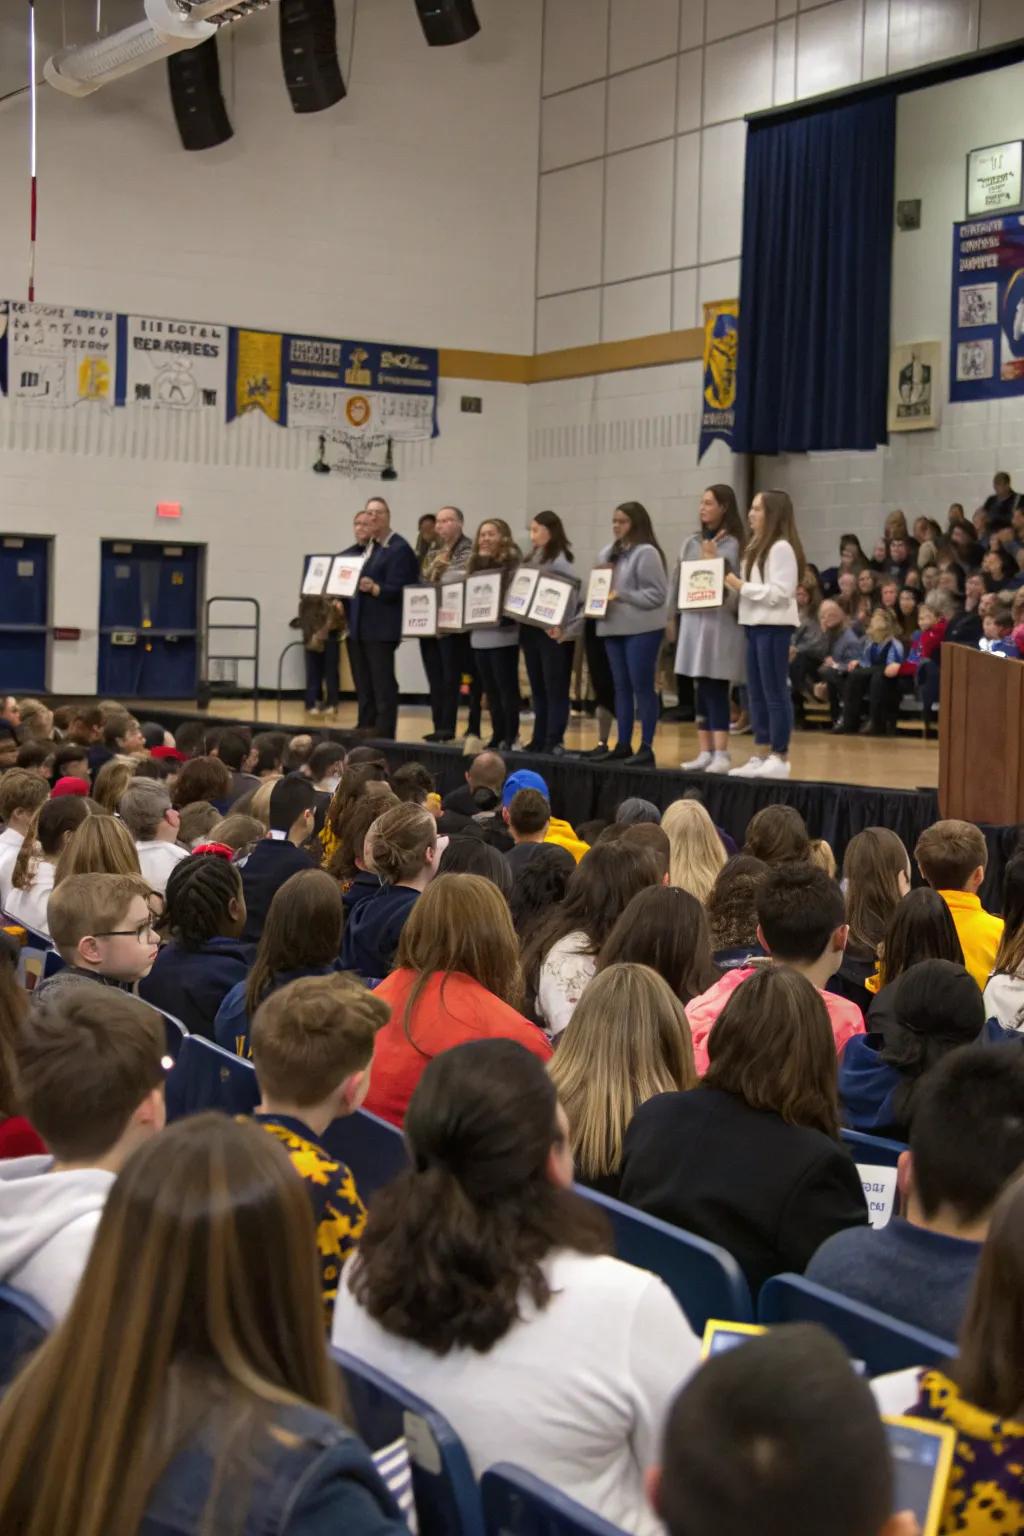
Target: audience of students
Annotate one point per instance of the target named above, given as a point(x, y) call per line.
point(751, 1159)
point(876, 878)
point(952, 857)
point(402, 850)
point(732, 911)
point(146, 810)
point(281, 853)
point(627, 1040)
point(537, 888)
point(102, 927)
point(35, 868)
point(697, 854)
point(777, 834)
point(456, 977)
point(666, 929)
point(202, 957)
point(512, 1283)
point(22, 795)
point(102, 845)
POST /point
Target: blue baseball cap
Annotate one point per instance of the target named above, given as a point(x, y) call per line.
point(523, 778)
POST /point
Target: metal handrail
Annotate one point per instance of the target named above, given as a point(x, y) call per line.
point(253, 656)
point(280, 672)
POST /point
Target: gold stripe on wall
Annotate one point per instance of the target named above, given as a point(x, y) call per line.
point(575, 362)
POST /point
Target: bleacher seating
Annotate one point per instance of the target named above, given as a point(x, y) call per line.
point(873, 1149)
point(207, 1077)
point(518, 1504)
point(373, 1149)
point(445, 1490)
point(24, 1325)
point(705, 1280)
point(883, 1343)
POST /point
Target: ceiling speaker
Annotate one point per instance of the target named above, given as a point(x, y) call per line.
point(447, 21)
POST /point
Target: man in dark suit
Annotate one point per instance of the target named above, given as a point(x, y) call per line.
point(375, 617)
point(281, 854)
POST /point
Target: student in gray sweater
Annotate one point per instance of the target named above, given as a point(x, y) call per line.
point(632, 629)
point(496, 649)
point(548, 652)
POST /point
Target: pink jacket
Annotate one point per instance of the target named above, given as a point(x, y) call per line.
point(845, 1017)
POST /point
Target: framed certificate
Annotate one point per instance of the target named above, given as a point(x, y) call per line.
point(994, 178)
point(598, 589)
point(483, 599)
point(344, 576)
point(520, 592)
point(701, 584)
point(451, 601)
point(419, 611)
point(553, 601)
point(318, 568)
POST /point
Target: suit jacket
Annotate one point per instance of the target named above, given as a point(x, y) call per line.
point(270, 864)
point(392, 566)
point(767, 1192)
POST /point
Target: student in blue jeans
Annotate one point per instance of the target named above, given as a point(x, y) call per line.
point(632, 630)
point(772, 564)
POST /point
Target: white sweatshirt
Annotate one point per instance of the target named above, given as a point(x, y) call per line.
point(769, 596)
point(47, 1224)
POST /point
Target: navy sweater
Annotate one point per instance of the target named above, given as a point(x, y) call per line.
point(270, 864)
point(374, 929)
point(192, 983)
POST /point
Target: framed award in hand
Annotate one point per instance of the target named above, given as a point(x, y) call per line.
point(554, 602)
point(598, 591)
point(344, 576)
point(519, 594)
point(451, 601)
point(419, 612)
point(318, 568)
point(483, 599)
point(701, 584)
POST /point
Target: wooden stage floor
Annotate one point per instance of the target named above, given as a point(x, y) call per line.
point(900, 762)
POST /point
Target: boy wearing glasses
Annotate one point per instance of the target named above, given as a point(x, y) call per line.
point(102, 927)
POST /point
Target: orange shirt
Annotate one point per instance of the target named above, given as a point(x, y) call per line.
point(449, 1011)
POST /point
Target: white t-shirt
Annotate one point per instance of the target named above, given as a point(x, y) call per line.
point(10, 842)
point(564, 973)
point(577, 1393)
point(30, 905)
point(156, 860)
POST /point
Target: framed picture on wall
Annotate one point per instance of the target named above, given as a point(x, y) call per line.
point(553, 601)
point(915, 371)
point(344, 576)
point(419, 611)
point(451, 600)
point(598, 591)
point(317, 571)
point(519, 594)
point(483, 599)
point(995, 183)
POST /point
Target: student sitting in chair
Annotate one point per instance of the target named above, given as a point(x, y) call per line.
point(103, 930)
point(953, 856)
point(203, 956)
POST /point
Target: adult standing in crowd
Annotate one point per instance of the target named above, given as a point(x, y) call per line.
point(496, 650)
point(710, 647)
point(447, 657)
point(548, 652)
point(772, 563)
point(632, 629)
point(375, 617)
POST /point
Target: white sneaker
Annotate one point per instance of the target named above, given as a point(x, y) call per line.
point(750, 769)
point(702, 760)
point(720, 763)
point(775, 768)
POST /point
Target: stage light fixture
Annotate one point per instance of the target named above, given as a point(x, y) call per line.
point(447, 21)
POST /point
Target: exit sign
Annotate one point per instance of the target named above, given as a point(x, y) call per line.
point(67, 634)
point(168, 509)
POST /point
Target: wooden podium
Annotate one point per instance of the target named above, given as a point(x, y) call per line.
point(981, 737)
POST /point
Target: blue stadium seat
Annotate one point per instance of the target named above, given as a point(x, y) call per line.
point(445, 1490)
point(52, 963)
point(32, 954)
point(174, 1031)
point(207, 1077)
point(873, 1149)
point(373, 1149)
point(705, 1280)
point(24, 1325)
point(518, 1504)
point(883, 1343)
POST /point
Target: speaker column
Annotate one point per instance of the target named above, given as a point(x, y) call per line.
point(199, 110)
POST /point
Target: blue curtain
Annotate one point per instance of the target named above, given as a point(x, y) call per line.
point(813, 361)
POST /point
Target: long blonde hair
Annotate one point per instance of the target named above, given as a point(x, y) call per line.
point(696, 852)
point(198, 1313)
point(111, 782)
point(627, 1040)
point(101, 846)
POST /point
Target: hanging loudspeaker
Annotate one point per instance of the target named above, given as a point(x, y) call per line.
point(447, 21)
point(199, 110)
point(309, 54)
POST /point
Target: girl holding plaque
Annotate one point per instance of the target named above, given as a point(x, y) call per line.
point(711, 645)
point(548, 652)
point(496, 648)
point(772, 564)
point(632, 629)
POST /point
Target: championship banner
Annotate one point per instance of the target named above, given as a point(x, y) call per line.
point(718, 411)
point(254, 373)
point(986, 354)
point(54, 355)
point(177, 365)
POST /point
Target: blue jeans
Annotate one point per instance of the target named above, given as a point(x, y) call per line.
point(771, 708)
point(713, 703)
point(634, 661)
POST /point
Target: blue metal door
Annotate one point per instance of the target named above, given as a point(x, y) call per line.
point(149, 619)
point(24, 612)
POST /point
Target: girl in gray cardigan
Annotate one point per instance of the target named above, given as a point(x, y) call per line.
point(633, 627)
point(711, 644)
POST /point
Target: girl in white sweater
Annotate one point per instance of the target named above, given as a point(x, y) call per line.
point(772, 564)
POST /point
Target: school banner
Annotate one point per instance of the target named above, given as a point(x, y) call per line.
point(718, 408)
point(986, 355)
point(54, 355)
point(347, 391)
point(174, 365)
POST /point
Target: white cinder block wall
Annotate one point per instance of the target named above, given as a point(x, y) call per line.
point(640, 214)
point(407, 213)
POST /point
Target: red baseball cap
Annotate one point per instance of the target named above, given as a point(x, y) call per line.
point(69, 786)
